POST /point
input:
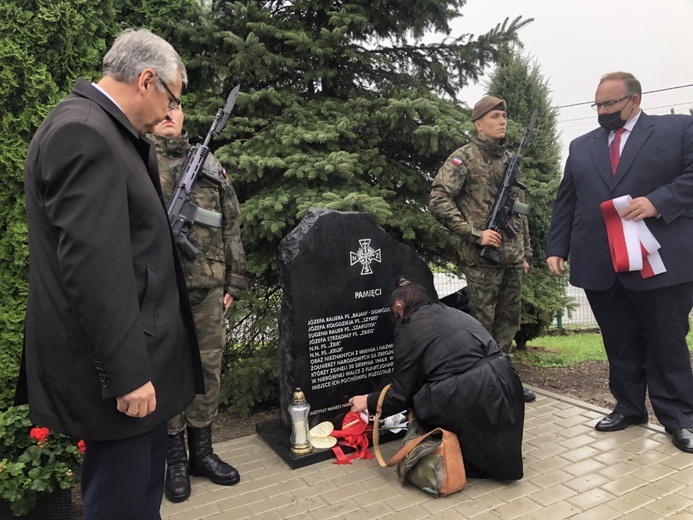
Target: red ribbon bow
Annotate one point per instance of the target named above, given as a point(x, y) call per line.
point(353, 435)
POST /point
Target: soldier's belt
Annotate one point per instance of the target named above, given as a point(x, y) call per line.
point(208, 218)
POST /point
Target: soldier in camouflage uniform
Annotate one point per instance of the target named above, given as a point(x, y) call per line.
point(215, 278)
point(461, 199)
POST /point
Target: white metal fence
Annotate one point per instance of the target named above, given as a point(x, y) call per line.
point(581, 316)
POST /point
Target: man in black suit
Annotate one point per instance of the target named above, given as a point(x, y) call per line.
point(110, 351)
point(625, 184)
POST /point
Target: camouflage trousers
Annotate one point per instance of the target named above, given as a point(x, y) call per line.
point(494, 296)
point(208, 313)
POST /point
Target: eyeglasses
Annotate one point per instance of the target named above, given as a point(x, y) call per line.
point(607, 104)
point(173, 101)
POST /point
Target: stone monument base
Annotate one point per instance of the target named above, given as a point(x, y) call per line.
point(277, 438)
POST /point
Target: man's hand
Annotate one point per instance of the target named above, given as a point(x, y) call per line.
point(490, 237)
point(639, 209)
point(138, 403)
point(359, 403)
point(227, 301)
point(525, 266)
point(556, 265)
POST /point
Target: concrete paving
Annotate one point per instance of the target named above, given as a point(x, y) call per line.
point(571, 471)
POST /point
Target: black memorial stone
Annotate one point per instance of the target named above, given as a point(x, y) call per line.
point(337, 271)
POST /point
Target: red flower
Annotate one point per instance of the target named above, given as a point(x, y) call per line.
point(82, 447)
point(40, 434)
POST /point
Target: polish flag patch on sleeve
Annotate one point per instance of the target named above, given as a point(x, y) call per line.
point(456, 161)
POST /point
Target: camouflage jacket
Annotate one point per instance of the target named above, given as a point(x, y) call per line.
point(463, 193)
point(221, 259)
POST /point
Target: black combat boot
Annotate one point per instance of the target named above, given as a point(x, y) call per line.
point(203, 461)
point(177, 487)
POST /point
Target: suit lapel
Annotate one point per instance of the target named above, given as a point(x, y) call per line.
point(636, 140)
point(599, 148)
point(144, 147)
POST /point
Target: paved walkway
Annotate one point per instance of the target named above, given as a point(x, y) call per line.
point(571, 471)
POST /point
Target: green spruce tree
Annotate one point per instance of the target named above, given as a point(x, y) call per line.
point(343, 107)
point(519, 81)
point(163, 17)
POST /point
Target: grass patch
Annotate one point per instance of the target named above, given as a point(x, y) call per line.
point(562, 351)
point(568, 350)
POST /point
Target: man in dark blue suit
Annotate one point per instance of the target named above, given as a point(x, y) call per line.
point(642, 312)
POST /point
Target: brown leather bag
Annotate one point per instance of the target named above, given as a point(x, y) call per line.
point(432, 461)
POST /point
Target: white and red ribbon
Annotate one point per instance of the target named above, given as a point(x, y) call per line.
point(633, 246)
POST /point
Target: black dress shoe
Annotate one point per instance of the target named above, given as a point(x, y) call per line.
point(527, 395)
point(683, 438)
point(615, 422)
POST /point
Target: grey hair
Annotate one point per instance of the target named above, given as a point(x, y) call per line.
point(136, 50)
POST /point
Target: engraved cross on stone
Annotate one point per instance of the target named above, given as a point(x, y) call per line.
point(365, 255)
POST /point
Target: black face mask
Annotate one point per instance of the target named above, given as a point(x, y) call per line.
point(611, 121)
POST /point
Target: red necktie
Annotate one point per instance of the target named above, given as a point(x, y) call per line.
point(615, 149)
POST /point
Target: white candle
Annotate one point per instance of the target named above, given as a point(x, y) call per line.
point(300, 433)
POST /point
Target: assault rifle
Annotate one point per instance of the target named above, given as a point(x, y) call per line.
point(504, 205)
point(181, 211)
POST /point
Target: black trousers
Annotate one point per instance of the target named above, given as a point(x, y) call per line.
point(124, 479)
point(645, 339)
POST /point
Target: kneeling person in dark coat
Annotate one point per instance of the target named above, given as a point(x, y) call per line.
point(453, 375)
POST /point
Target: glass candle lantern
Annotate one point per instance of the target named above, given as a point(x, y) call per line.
point(300, 435)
